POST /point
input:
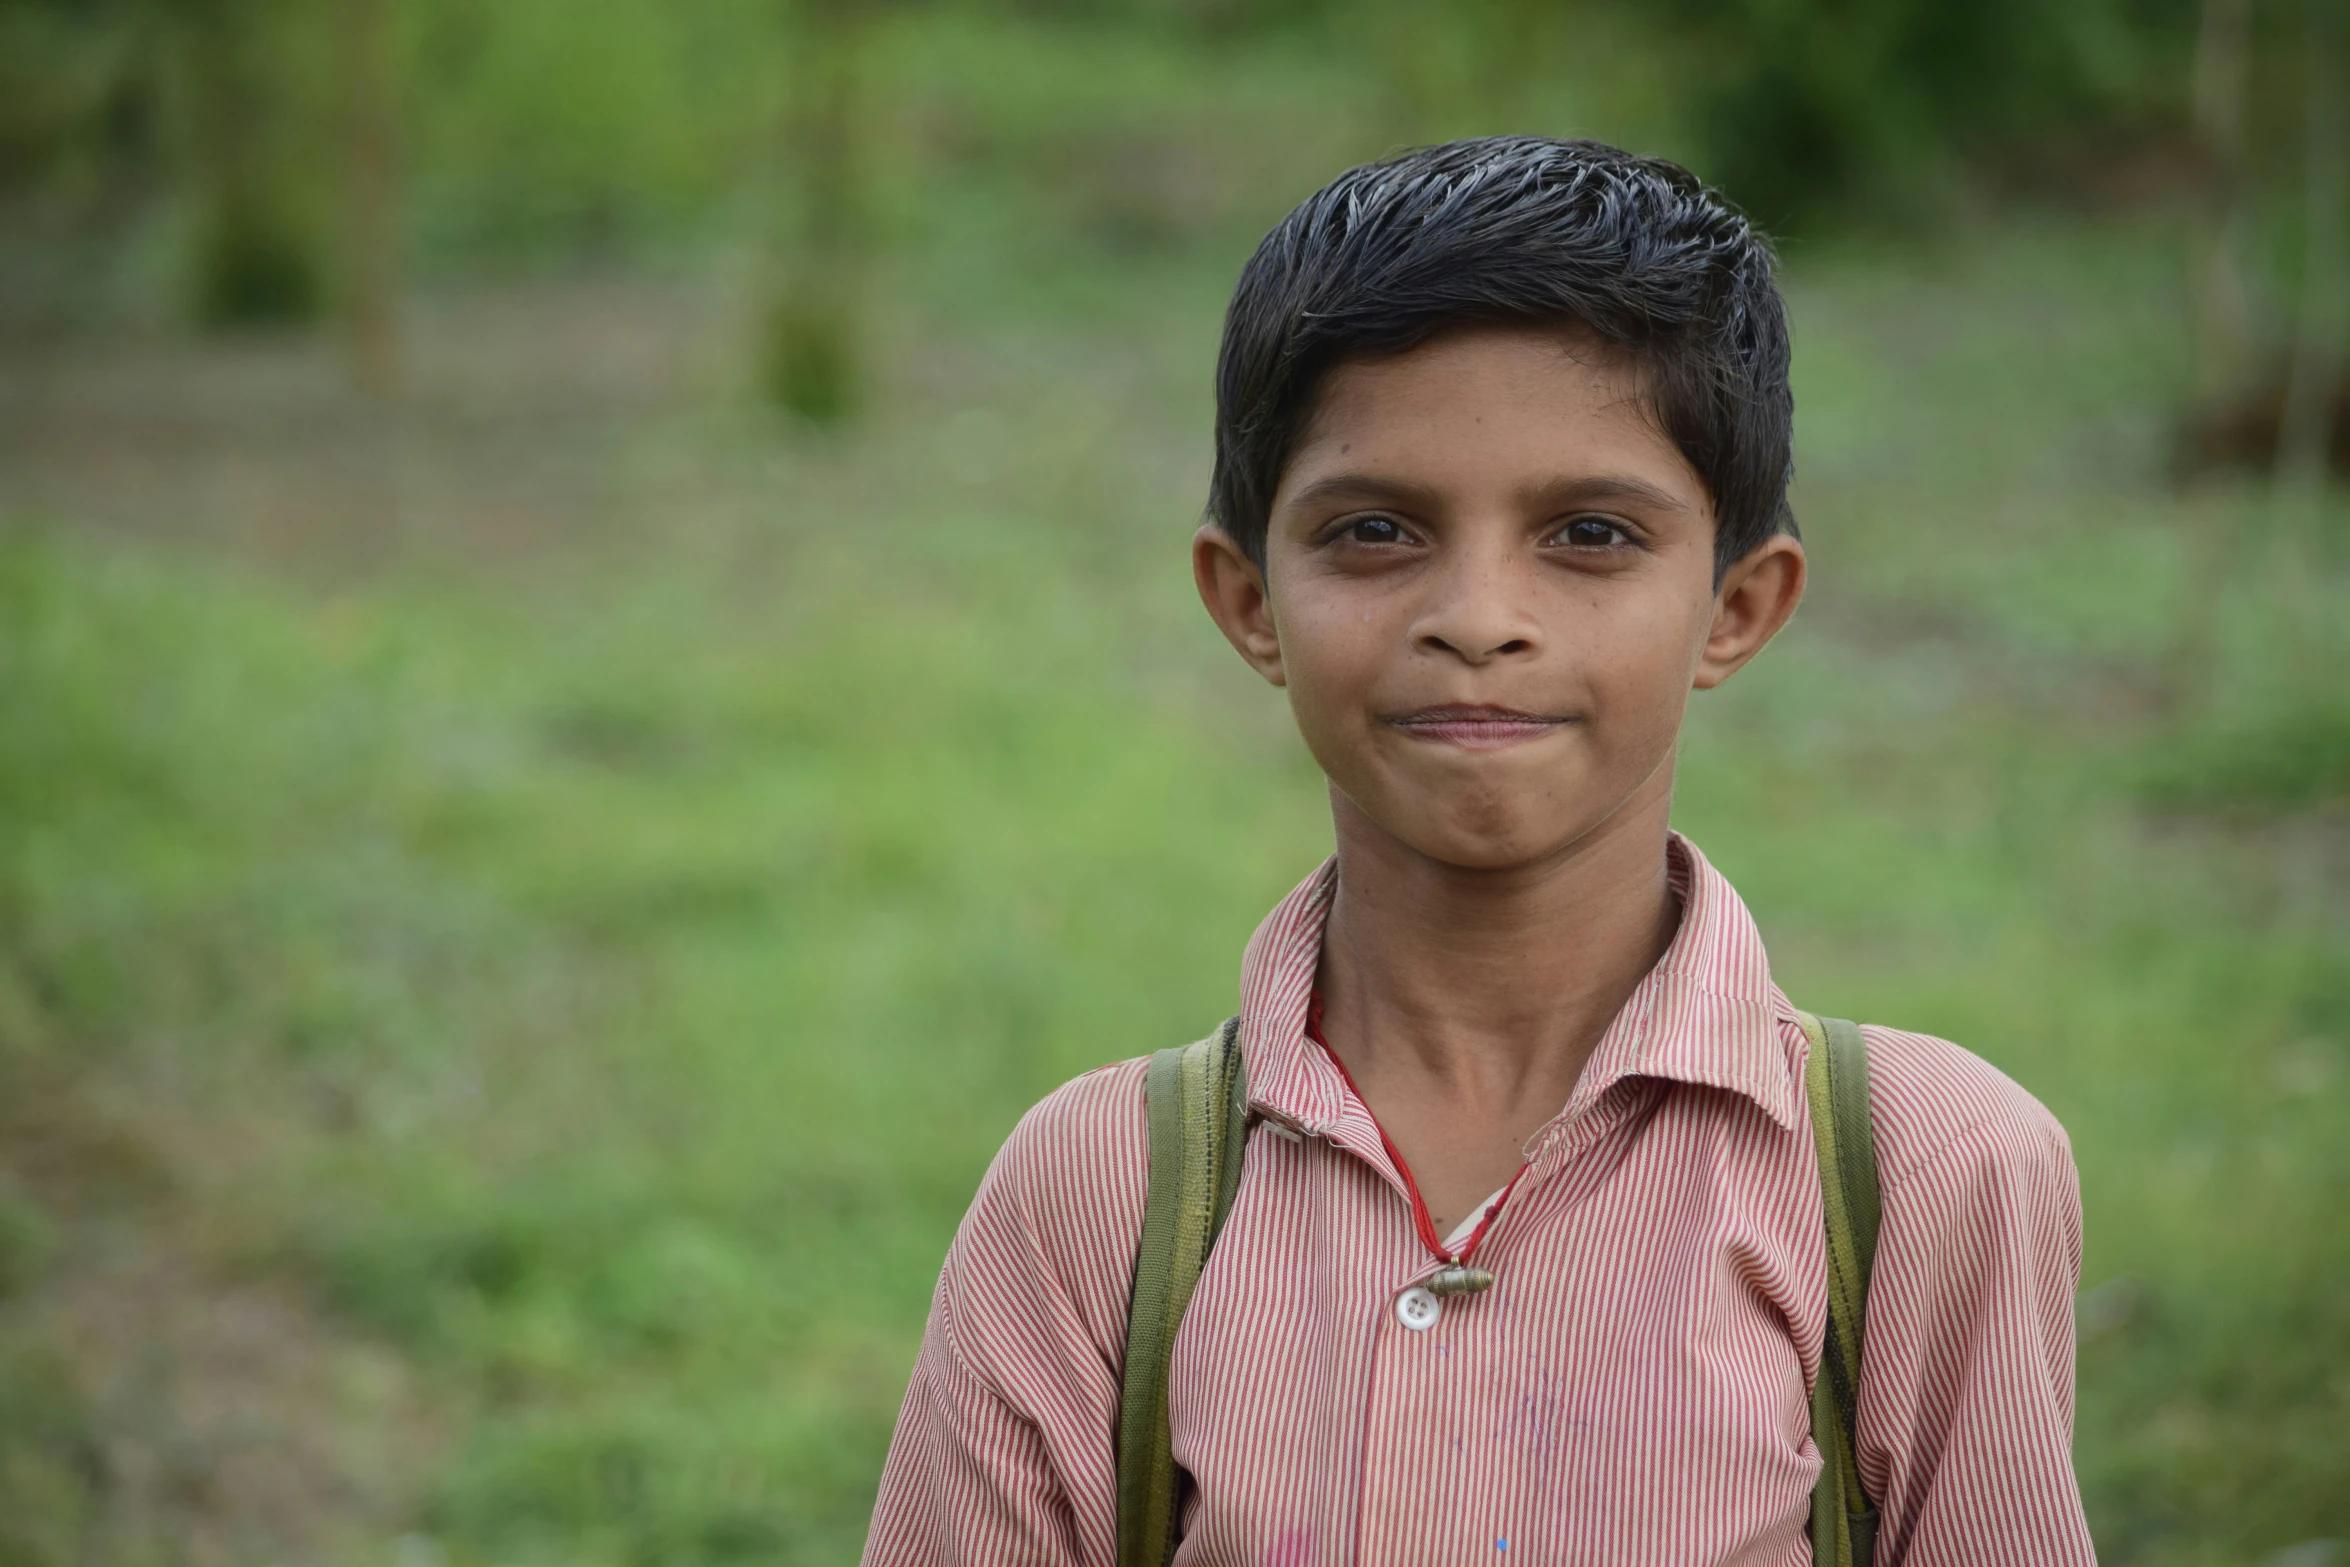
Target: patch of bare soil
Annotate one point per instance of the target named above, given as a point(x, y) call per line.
point(507, 437)
point(226, 1421)
point(159, 1403)
point(2243, 432)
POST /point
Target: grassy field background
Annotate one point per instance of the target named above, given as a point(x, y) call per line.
point(522, 917)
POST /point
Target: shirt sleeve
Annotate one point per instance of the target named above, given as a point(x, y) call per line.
point(969, 1478)
point(1966, 1400)
point(1005, 1449)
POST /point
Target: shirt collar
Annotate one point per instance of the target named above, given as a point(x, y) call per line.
point(1707, 1013)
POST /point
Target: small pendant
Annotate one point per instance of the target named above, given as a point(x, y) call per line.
point(1459, 1280)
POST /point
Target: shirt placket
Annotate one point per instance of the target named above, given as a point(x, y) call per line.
point(1435, 1484)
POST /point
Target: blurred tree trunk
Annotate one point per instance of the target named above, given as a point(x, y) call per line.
point(256, 261)
point(371, 208)
point(813, 340)
point(2313, 384)
point(2222, 311)
point(2222, 325)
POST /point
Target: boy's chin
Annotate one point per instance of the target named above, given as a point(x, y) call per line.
point(1489, 846)
point(1482, 829)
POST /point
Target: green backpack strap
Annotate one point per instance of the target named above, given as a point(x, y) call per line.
point(1196, 1098)
point(1836, 1083)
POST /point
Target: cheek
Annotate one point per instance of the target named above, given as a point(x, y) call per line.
point(1333, 657)
point(1332, 649)
point(1642, 661)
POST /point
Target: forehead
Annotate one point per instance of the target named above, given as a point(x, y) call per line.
point(1491, 400)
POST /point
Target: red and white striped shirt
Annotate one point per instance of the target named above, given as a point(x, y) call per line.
point(1634, 1386)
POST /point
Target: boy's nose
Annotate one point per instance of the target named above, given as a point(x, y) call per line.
point(1478, 614)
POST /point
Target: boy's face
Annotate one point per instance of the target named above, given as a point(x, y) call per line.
point(1488, 588)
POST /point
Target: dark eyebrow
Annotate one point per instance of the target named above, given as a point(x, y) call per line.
point(1568, 494)
point(1557, 495)
point(1369, 489)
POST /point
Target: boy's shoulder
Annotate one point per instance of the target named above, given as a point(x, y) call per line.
point(1933, 1103)
point(1086, 1141)
point(1048, 1244)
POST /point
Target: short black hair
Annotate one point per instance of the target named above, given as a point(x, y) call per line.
point(1636, 251)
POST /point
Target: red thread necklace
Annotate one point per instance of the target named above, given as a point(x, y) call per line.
point(1421, 1217)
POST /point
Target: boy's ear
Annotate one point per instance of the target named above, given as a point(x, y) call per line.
point(1233, 589)
point(1758, 593)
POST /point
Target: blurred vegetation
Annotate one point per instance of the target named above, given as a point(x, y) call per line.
point(551, 128)
point(531, 884)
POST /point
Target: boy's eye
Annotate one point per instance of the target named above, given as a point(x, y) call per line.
point(1594, 533)
point(1373, 530)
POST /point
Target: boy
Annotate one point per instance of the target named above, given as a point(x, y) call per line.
point(1502, 445)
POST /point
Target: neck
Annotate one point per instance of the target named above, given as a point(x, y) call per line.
point(1494, 983)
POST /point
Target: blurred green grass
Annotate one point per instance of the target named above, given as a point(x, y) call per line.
point(603, 991)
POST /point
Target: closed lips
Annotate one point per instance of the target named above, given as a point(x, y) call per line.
point(1478, 727)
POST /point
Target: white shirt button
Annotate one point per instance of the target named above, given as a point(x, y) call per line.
point(1417, 1309)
